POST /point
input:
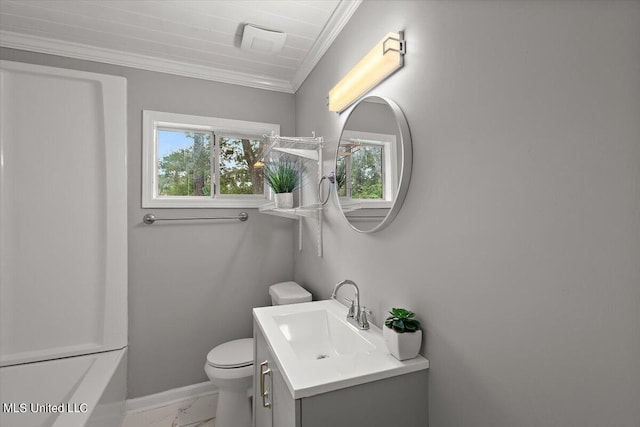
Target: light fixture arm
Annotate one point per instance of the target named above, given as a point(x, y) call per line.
point(401, 43)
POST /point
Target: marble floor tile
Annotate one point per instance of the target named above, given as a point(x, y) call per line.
point(201, 409)
point(195, 412)
point(207, 423)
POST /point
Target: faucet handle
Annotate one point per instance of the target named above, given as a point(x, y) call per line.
point(352, 307)
point(364, 323)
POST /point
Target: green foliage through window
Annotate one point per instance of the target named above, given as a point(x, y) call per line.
point(364, 173)
point(185, 167)
point(185, 164)
point(237, 172)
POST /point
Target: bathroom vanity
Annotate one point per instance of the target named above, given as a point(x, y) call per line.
point(313, 369)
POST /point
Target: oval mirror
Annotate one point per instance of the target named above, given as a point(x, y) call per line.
point(373, 164)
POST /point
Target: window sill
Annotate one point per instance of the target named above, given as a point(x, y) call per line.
point(349, 205)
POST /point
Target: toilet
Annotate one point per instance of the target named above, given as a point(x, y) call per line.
point(230, 365)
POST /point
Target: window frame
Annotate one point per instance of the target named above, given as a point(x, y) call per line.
point(389, 171)
point(152, 120)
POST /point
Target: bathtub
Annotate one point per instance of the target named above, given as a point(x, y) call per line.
point(80, 391)
point(63, 274)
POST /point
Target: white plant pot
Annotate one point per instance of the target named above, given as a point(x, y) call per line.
point(402, 346)
point(284, 200)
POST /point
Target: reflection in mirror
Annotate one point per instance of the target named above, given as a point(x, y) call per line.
point(373, 164)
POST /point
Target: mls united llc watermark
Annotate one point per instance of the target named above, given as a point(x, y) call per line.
point(36, 408)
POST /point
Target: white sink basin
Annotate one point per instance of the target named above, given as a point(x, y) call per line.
point(320, 334)
point(318, 351)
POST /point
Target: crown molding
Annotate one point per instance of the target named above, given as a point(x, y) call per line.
point(339, 18)
point(341, 15)
point(109, 56)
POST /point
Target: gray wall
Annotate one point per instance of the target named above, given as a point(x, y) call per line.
point(519, 241)
point(191, 285)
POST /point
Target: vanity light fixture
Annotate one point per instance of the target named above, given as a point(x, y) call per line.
point(383, 60)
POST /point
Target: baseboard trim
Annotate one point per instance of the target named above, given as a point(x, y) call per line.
point(169, 397)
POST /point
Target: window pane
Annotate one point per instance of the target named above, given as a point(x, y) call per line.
point(237, 172)
point(184, 163)
point(366, 172)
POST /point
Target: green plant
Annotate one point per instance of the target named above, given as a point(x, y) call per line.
point(341, 174)
point(282, 175)
point(402, 320)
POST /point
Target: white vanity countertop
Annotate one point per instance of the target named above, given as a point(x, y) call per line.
point(309, 376)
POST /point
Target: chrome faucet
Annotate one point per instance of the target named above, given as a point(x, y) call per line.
point(356, 315)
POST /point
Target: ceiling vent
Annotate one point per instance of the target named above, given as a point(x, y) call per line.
point(260, 40)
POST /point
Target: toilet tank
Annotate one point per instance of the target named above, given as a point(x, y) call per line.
point(288, 293)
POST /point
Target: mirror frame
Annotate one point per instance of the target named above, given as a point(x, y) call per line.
point(405, 163)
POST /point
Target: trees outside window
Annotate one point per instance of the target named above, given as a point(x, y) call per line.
point(360, 173)
point(194, 161)
point(186, 166)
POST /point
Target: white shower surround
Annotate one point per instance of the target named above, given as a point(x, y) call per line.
point(63, 234)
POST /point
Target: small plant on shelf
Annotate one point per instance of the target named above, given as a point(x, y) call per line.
point(402, 320)
point(282, 175)
point(402, 334)
point(341, 177)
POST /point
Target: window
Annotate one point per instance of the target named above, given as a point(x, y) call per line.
point(194, 161)
point(367, 168)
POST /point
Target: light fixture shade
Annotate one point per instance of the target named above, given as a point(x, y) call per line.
point(383, 60)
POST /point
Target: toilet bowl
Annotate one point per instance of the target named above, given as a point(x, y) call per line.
point(230, 367)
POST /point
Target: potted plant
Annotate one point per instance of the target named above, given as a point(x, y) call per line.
point(282, 175)
point(402, 334)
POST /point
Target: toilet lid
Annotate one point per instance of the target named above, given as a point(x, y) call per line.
point(232, 354)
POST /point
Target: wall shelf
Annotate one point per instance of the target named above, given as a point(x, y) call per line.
point(308, 149)
point(309, 211)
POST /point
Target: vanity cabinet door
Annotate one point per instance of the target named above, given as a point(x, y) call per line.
point(262, 407)
point(284, 406)
point(277, 408)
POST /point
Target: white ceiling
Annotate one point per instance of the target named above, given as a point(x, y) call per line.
point(195, 38)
